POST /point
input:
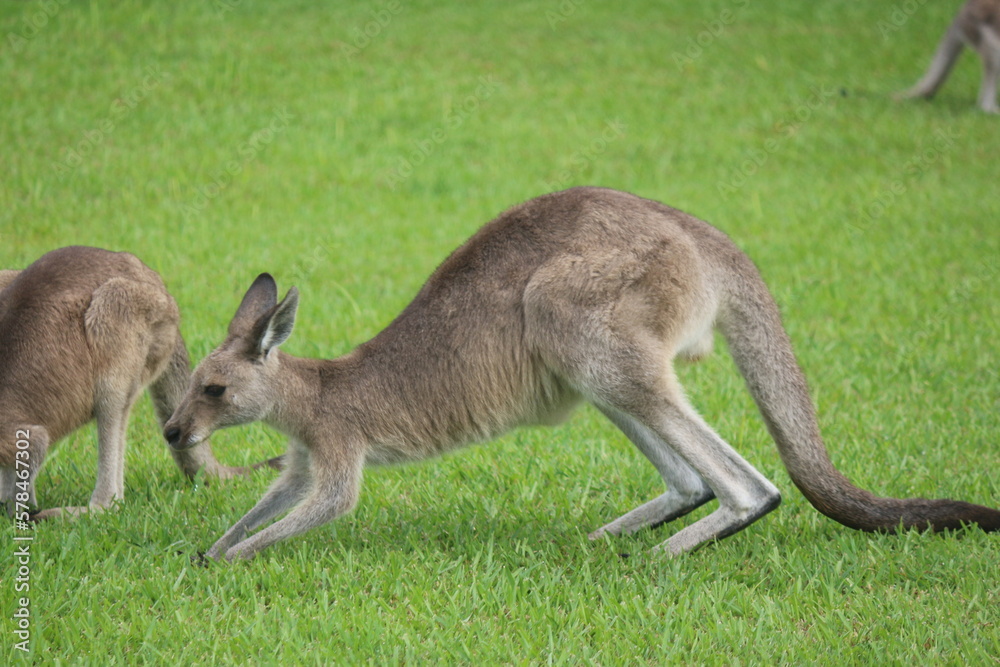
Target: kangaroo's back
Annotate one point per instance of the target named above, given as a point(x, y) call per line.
point(586, 235)
point(472, 353)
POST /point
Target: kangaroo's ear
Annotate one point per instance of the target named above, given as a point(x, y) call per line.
point(275, 326)
point(259, 299)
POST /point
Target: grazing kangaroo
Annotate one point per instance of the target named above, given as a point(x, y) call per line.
point(978, 25)
point(82, 332)
point(586, 294)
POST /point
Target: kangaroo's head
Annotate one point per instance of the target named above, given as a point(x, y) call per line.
point(237, 382)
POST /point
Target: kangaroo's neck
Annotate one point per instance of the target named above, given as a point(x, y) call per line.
point(339, 399)
point(298, 394)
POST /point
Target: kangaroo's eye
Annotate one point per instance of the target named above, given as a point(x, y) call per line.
point(215, 390)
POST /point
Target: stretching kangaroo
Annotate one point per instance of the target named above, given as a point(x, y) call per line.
point(585, 294)
point(978, 25)
point(82, 332)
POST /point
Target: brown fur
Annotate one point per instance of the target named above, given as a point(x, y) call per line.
point(587, 294)
point(977, 25)
point(82, 332)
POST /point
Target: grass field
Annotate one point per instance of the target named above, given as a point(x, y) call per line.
point(348, 148)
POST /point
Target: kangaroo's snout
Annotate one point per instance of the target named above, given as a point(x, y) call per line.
point(179, 438)
point(172, 434)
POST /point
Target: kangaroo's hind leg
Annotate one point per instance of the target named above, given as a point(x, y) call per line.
point(686, 490)
point(610, 325)
point(633, 382)
point(125, 323)
point(111, 409)
point(629, 375)
point(744, 494)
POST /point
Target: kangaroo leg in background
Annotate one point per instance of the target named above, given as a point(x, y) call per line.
point(112, 423)
point(989, 51)
point(944, 59)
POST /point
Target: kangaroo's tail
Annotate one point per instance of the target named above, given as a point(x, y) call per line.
point(167, 390)
point(763, 353)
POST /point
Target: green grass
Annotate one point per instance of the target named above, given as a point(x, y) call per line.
point(874, 222)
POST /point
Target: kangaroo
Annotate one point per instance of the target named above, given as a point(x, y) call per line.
point(978, 26)
point(586, 294)
point(82, 332)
